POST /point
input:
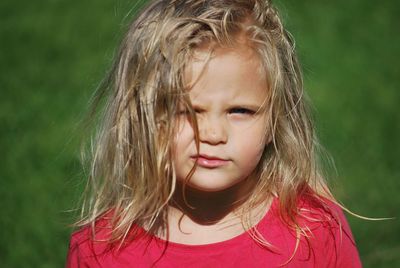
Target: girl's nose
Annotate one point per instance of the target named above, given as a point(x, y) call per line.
point(212, 131)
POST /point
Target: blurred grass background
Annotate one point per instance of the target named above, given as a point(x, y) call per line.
point(54, 52)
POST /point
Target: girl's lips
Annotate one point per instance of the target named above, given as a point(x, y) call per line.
point(209, 161)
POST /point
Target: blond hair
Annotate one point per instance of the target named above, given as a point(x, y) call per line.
point(131, 170)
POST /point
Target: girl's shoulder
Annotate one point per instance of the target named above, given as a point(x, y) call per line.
point(90, 242)
point(320, 236)
point(325, 233)
point(322, 213)
point(99, 230)
point(311, 213)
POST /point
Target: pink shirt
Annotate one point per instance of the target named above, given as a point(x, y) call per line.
point(326, 246)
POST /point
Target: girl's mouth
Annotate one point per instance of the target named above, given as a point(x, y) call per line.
point(207, 161)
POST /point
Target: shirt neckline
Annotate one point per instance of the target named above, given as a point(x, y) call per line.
point(239, 240)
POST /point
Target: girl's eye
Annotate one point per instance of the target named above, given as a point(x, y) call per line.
point(183, 112)
point(240, 110)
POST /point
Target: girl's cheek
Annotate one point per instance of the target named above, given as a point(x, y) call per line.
point(180, 126)
point(184, 131)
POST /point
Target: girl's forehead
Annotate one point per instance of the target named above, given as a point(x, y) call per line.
point(212, 58)
point(226, 73)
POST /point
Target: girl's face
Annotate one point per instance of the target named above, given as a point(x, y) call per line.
point(227, 94)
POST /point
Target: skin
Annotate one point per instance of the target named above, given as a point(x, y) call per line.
point(227, 92)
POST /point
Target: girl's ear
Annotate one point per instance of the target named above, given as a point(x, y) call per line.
point(269, 140)
point(270, 129)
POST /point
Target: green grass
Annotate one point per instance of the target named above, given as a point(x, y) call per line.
point(54, 53)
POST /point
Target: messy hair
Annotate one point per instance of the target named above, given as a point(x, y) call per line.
point(131, 165)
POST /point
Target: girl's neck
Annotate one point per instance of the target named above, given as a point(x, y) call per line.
point(208, 208)
point(210, 217)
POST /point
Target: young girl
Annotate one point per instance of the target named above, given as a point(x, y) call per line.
point(206, 152)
